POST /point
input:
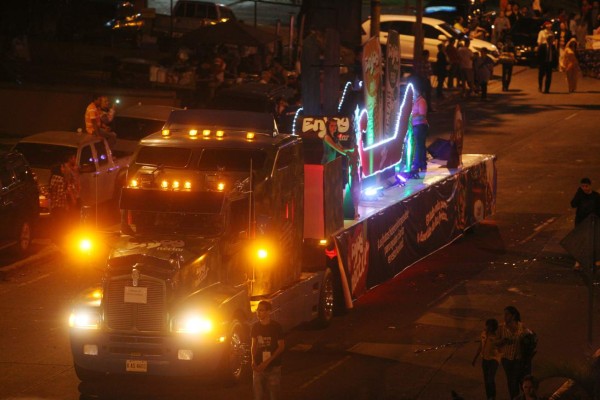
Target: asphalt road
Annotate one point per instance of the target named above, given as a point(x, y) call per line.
point(413, 337)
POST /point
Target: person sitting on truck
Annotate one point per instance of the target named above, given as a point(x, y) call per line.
point(267, 347)
point(93, 120)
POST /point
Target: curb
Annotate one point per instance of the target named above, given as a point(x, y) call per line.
point(46, 253)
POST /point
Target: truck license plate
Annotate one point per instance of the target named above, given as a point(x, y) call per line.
point(136, 366)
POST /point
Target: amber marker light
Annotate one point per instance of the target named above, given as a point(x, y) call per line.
point(206, 132)
point(193, 132)
point(220, 133)
point(323, 242)
point(175, 184)
point(133, 183)
point(250, 135)
point(166, 132)
point(221, 186)
point(164, 184)
point(187, 185)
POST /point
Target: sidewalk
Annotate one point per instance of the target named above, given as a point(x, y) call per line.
point(551, 298)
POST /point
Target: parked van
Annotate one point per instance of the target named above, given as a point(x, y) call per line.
point(434, 32)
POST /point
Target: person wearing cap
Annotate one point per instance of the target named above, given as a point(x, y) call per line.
point(548, 61)
point(586, 202)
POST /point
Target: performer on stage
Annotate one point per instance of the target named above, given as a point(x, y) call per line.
point(420, 127)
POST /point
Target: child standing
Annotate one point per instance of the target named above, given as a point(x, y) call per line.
point(490, 357)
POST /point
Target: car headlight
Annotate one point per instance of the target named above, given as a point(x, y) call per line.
point(84, 319)
point(193, 324)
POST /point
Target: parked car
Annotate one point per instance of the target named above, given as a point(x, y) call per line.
point(434, 31)
point(134, 123)
point(19, 208)
point(101, 174)
point(524, 34)
point(189, 15)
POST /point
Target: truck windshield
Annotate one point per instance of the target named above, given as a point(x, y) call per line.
point(169, 212)
point(41, 155)
point(176, 157)
point(206, 225)
point(237, 160)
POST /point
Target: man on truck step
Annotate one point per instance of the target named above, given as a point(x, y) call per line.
point(267, 348)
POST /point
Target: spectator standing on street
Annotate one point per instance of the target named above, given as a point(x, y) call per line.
point(488, 349)
point(563, 35)
point(501, 27)
point(459, 24)
point(267, 349)
point(59, 200)
point(547, 60)
point(93, 120)
point(485, 71)
point(507, 60)
point(529, 385)
point(465, 56)
point(74, 185)
point(571, 65)
point(586, 202)
point(441, 70)
point(454, 71)
point(509, 345)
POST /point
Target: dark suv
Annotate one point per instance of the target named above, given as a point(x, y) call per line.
point(19, 205)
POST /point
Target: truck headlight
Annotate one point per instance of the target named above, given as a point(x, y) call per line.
point(193, 324)
point(84, 319)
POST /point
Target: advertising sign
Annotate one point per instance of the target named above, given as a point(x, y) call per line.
point(392, 84)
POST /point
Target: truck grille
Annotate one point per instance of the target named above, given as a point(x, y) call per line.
point(148, 317)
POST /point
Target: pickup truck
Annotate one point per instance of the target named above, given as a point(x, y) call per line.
point(189, 15)
point(101, 173)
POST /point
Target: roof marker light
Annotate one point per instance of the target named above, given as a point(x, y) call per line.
point(166, 132)
point(133, 183)
point(193, 132)
point(220, 133)
point(249, 135)
point(175, 184)
point(164, 184)
point(187, 185)
point(220, 186)
point(206, 132)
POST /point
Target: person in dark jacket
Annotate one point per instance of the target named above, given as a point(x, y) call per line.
point(441, 69)
point(547, 60)
point(586, 202)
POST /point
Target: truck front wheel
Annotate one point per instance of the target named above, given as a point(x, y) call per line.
point(235, 366)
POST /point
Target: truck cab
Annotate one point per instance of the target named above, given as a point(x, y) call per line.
point(212, 223)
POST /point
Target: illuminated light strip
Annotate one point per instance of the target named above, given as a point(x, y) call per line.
point(358, 115)
point(374, 145)
point(295, 118)
point(348, 84)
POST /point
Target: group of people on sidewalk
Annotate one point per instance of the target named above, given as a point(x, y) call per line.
point(513, 346)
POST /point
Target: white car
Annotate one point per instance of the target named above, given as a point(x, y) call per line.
point(434, 31)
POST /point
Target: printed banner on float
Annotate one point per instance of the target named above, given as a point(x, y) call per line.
point(378, 248)
point(372, 78)
point(392, 84)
